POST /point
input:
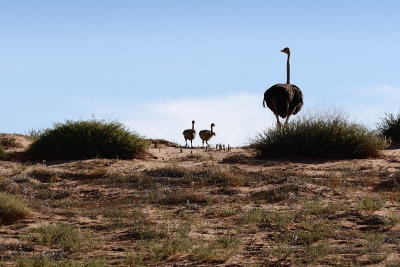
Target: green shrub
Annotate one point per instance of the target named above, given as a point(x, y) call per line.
point(390, 126)
point(325, 135)
point(370, 204)
point(12, 208)
point(87, 139)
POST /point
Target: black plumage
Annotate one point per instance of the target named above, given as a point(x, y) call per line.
point(284, 99)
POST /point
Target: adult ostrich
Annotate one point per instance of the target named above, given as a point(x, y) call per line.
point(284, 99)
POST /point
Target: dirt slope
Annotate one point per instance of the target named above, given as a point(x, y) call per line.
point(196, 207)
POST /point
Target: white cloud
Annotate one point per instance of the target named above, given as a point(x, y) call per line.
point(369, 104)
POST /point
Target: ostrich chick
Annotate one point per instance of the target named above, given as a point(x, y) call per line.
point(206, 135)
point(189, 134)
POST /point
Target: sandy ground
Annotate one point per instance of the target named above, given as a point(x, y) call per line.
point(217, 192)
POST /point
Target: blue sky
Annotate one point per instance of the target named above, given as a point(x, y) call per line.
point(157, 65)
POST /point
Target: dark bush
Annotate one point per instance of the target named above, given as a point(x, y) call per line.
point(9, 142)
point(3, 154)
point(327, 136)
point(87, 139)
point(390, 126)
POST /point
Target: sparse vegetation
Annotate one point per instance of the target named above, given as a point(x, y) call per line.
point(390, 126)
point(66, 237)
point(373, 242)
point(183, 197)
point(326, 135)
point(315, 252)
point(211, 176)
point(315, 207)
point(277, 194)
point(25, 261)
point(281, 219)
point(315, 230)
point(185, 209)
point(229, 177)
point(255, 215)
point(219, 250)
point(87, 139)
point(12, 208)
point(391, 220)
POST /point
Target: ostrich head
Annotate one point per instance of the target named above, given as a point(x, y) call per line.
point(212, 132)
point(192, 122)
point(286, 50)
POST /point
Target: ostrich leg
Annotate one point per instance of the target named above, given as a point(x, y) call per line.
point(278, 123)
point(287, 120)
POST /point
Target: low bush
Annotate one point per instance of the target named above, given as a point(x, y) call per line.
point(390, 126)
point(87, 139)
point(12, 208)
point(326, 135)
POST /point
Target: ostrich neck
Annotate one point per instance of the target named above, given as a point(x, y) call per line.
point(211, 129)
point(288, 70)
point(192, 126)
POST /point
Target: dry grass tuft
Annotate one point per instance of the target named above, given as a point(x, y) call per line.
point(12, 208)
point(370, 204)
point(69, 238)
point(229, 177)
point(42, 173)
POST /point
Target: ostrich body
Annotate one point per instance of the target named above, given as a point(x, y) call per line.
point(189, 134)
point(206, 135)
point(284, 99)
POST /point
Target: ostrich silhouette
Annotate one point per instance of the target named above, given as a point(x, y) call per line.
point(206, 135)
point(284, 99)
point(189, 134)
